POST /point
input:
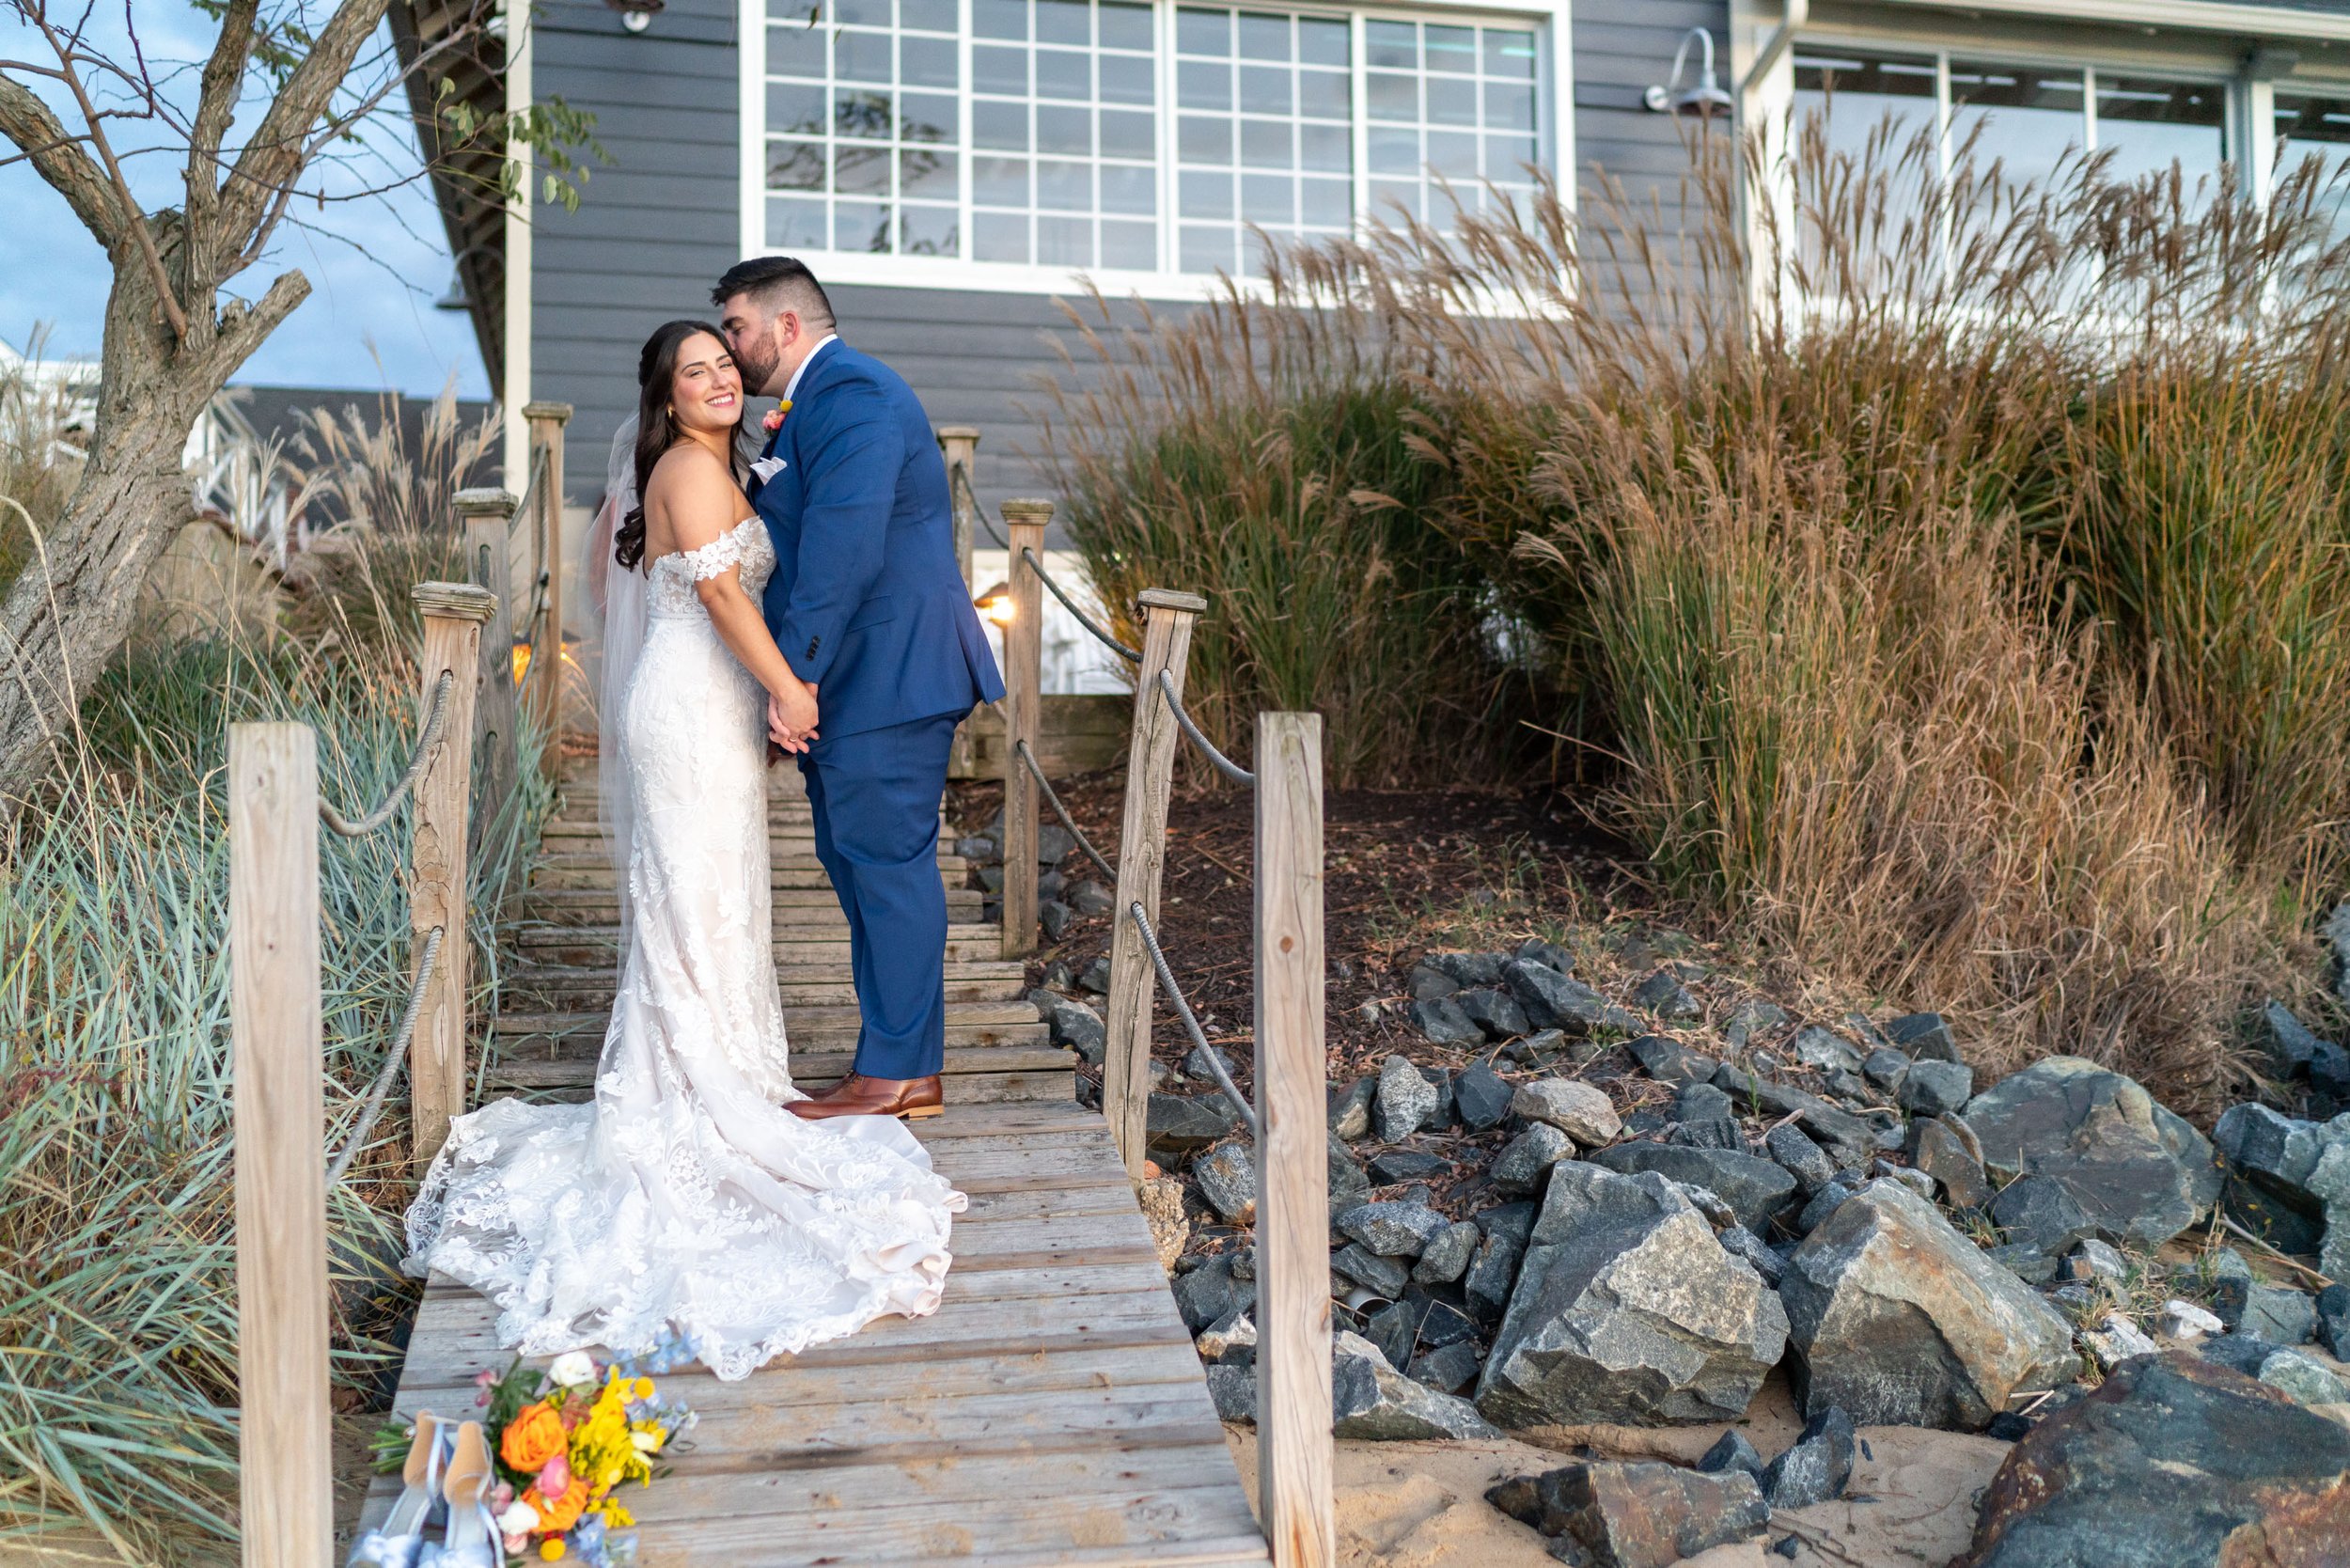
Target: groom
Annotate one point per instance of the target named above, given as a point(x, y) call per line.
point(869, 608)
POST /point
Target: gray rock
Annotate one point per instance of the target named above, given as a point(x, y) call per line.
point(1495, 1011)
point(1848, 1139)
point(1936, 1148)
point(1548, 954)
point(1448, 1369)
point(2333, 1319)
point(1201, 1062)
point(1350, 1111)
point(2301, 1378)
point(1936, 1088)
point(1755, 1189)
point(2026, 1262)
point(1900, 1319)
point(1926, 1036)
point(1442, 1020)
point(1227, 1335)
point(1491, 1274)
point(1480, 1097)
point(1053, 917)
point(1096, 976)
point(1072, 1024)
point(2094, 1261)
point(2042, 1211)
point(1703, 1118)
point(1406, 1101)
point(1526, 1161)
point(1429, 983)
point(1815, 1467)
point(1470, 970)
point(1394, 1329)
point(1750, 1020)
point(1396, 1166)
point(1227, 1176)
point(2279, 1314)
point(1181, 1124)
point(2245, 1476)
point(1824, 1049)
point(978, 848)
point(1801, 1158)
point(1447, 1256)
point(1732, 1451)
point(1627, 1308)
point(2337, 933)
point(1665, 1059)
point(1580, 1110)
point(1089, 898)
point(1739, 1242)
point(2271, 1160)
point(1828, 1200)
point(1210, 1292)
point(1551, 1001)
point(1664, 994)
point(1513, 1220)
point(2141, 1172)
point(1886, 1068)
point(1370, 1399)
point(2291, 1044)
point(1393, 1229)
point(1536, 1047)
point(1234, 1390)
point(1054, 844)
point(1916, 1181)
point(2241, 1352)
point(1612, 1515)
point(1383, 1277)
point(1347, 1181)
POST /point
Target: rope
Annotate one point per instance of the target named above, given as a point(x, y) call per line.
point(1199, 1037)
point(435, 715)
point(530, 491)
point(1131, 655)
point(1224, 765)
point(392, 1059)
point(1062, 811)
point(962, 479)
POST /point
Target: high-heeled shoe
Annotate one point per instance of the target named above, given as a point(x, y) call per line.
point(470, 1540)
point(398, 1542)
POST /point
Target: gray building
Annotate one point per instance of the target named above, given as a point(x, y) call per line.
point(952, 167)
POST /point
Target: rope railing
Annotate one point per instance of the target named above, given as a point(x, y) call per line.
point(427, 738)
point(1224, 765)
point(1020, 748)
point(1208, 1053)
point(1131, 655)
point(393, 1059)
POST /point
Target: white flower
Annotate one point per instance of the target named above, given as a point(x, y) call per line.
point(645, 1442)
point(574, 1368)
point(520, 1518)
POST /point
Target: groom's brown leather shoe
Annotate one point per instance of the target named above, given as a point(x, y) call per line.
point(859, 1095)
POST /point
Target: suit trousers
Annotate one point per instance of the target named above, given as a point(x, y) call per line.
point(873, 797)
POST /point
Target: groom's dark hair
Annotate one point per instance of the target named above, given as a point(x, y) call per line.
point(774, 281)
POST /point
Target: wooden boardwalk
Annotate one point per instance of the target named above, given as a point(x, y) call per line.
point(1052, 1410)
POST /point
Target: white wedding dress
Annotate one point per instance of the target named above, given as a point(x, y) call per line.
point(686, 1198)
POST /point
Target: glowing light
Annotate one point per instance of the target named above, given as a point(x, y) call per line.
point(522, 660)
point(997, 605)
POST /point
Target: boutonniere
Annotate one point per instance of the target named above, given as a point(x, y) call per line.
point(774, 421)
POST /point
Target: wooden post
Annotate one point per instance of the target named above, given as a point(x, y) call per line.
point(545, 691)
point(486, 515)
point(285, 1480)
point(1166, 617)
point(453, 616)
point(1024, 653)
point(959, 446)
point(1293, 1446)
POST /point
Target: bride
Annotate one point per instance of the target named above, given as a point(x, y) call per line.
point(686, 1198)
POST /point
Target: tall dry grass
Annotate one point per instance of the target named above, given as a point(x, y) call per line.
point(1938, 576)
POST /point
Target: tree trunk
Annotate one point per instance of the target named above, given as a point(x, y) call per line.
point(72, 606)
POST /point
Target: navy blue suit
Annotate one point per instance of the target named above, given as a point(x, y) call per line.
point(868, 604)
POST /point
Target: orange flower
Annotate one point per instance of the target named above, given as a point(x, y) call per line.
point(560, 1514)
point(534, 1436)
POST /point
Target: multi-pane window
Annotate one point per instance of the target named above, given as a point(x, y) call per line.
point(862, 116)
point(1449, 105)
point(1265, 131)
point(1142, 136)
point(2311, 126)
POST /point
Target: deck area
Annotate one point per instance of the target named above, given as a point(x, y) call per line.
point(1052, 1411)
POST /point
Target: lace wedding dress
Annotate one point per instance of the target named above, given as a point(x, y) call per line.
point(686, 1197)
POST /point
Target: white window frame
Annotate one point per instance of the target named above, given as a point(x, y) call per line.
point(1554, 129)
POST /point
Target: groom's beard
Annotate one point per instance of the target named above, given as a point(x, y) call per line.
point(760, 373)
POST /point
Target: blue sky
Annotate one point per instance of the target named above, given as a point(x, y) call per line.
point(375, 264)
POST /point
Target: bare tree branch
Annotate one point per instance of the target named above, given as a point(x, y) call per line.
point(43, 139)
point(217, 107)
point(280, 146)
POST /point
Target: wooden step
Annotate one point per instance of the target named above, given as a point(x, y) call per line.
point(986, 1075)
point(566, 990)
point(782, 851)
point(829, 944)
point(799, 876)
point(794, 906)
point(838, 1021)
point(585, 1041)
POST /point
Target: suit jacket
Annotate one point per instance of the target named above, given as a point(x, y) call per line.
point(868, 600)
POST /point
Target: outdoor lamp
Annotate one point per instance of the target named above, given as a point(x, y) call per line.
point(996, 604)
point(521, 659)
point(1706, 98)
point(636, 15)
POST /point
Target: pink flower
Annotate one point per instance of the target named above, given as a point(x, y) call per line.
point(556, 1479)
point(774, 419)
point(515, 1545)
point(500, 1494)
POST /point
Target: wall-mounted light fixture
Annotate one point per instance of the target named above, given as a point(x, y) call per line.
point(995, 604)
point(636, 15)
point(1707, 99)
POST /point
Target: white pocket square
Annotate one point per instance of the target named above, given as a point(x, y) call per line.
point(767, 468)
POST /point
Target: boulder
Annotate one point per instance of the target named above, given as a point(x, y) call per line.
point(1824, 1049)
point(2026, 1262)
point(2116, 1340)
point(1405, 1100)
point(1902, 1321)
point(1925, 1036)
point(1089, 898)
point(1350, 1110)
point(1233, 1386)
point(1755, 1189)
point(1233, 1331)
point(1628, 1309)
point(1801, 1158)
point(1579, 1109)
point(2246, 1477)
point(1370, 1399)
point(1886, 1068)
point(2291, 1180)
point(2333, 1319)
point(1448, 1369)
point(1491, 1274)
point(1493, 1010)
point(1703, 1118)
point(1393, 1166)
point(1731, 1451)
point(1470, 969)
point(1210, 1292)
point(1227, 1175)
point(1392, 1230)
point(2185, 1321)
point(1548, 954)
point(1666, 1061)
point(2291, 1044)
point(2042, 1211)
point(1739, 1242)
point(1815, 1467)
point(2277, 1313)
point(1073, 1025)
point(1347, 1183)
point(2137, 1170)
point(1936, 1088)
point(1613, 1514)
point(1447, 1256)
point(1526, 1160)
point(1480, 1097)
point(1750, 1019)
point(1183, 1124)
point(1096, 976)
point(1443, 1021)
point(1383, 1277)
point(2302, 1379)
point(1942, 1153)
point(1428, 983)
point(1664, 994)
point(1551, 1001)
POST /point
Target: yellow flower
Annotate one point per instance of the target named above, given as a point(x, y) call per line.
point(644, 1387)
point(550, 1549)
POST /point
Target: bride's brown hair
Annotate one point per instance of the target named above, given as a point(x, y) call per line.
point(656, 426)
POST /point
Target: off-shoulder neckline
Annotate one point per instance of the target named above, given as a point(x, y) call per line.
point(682, 554)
